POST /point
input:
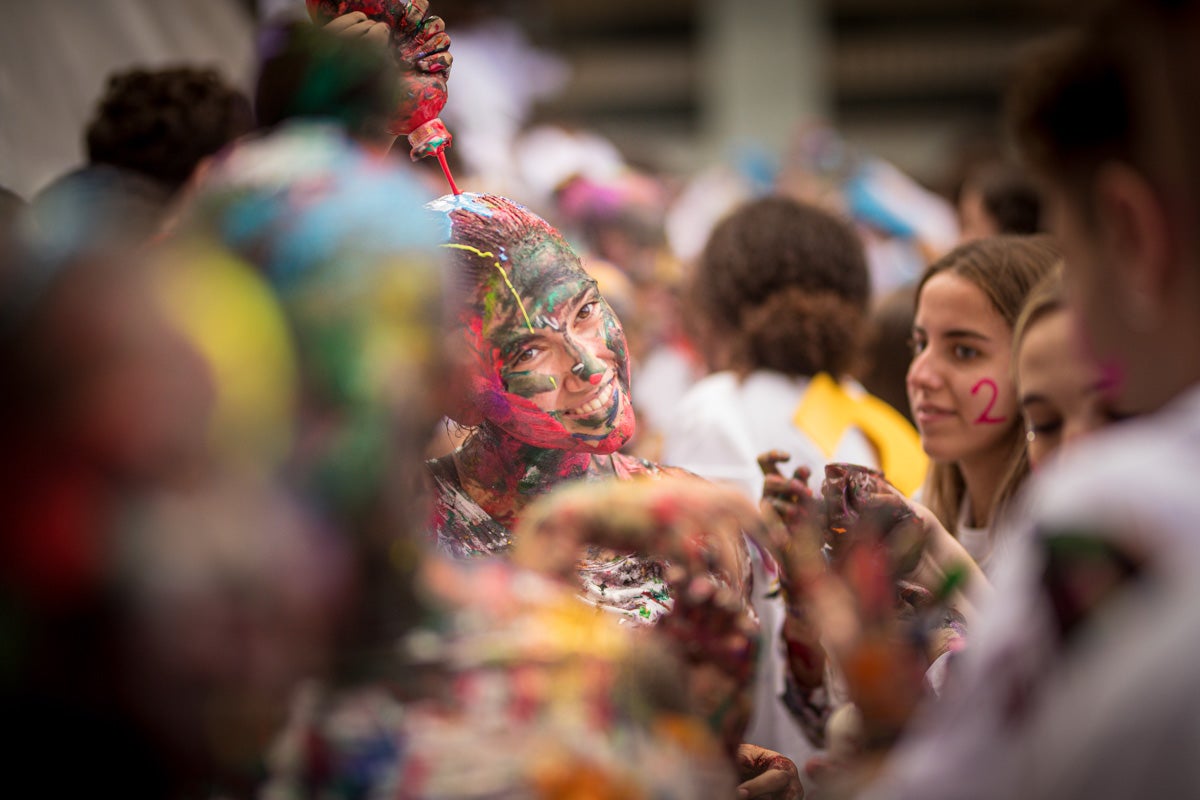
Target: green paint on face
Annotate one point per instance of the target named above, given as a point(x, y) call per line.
point(528, 384)
point(489, 307)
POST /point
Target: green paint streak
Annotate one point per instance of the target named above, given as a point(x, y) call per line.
point(528, 384)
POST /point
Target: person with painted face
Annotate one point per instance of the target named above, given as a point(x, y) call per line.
point(545, 390)
point(547, 376)
point(959, 382)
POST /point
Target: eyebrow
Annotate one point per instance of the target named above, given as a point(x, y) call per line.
point(1033, 399)
point(955, 333)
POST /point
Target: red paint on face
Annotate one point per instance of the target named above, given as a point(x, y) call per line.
point(550, 363)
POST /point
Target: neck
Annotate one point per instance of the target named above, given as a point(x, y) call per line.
point(982, 476)
point(503, 474)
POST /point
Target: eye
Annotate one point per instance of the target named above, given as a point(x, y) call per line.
point(1047, 427)
point(917, 344)
point(525, 356)
point(587, 311)
point(964, 352)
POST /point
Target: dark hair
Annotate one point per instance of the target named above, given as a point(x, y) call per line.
point(308, 73)
point(1009, 196)
point(787, 285)
point(888, 349)
point(162, 123)
point(1119, 88)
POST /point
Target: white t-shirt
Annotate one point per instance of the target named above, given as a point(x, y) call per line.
point(976, 541)
point(1114, 712)
point(723, 424)
point(718, 431)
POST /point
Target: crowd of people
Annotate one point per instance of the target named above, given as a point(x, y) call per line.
point(324, 478)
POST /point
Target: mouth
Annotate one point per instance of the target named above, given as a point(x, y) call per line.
point(931, 413)
point(598, 402)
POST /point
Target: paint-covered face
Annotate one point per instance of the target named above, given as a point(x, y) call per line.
point(553, 368)
point(1060, 389)
point(959, 384)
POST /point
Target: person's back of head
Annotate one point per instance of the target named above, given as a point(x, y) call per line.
point(162, 123)
point(95, 207)
point(309, 73)
point(786, 284)
point(1000, 198)
point(1107, 116)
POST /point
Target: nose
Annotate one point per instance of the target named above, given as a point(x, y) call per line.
point(922, 373)
point(587, 367)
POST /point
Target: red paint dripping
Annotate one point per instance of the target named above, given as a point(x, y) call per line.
point(441, 157)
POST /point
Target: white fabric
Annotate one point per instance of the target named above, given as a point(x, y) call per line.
point(723, 424)
point(662, 379)
point(718, 430)
point(55, 56)
point(1117, 714)
point(976, 541)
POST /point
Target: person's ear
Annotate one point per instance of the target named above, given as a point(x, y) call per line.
point(1136, 233)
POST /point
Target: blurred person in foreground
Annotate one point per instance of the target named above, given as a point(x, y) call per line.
point(1083, 684)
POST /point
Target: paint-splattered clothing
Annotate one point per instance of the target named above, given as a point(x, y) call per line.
point(628, 585)
point(1080, 679)
point(536, 697)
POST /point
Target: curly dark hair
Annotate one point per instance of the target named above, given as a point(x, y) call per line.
point(162, 123)
point(786, 286)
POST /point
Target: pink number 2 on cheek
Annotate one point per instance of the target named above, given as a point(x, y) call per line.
point(986, 417)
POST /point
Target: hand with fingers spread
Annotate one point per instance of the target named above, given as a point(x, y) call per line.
point(420, 47)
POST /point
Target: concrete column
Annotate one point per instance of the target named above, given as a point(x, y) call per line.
point(764, 68)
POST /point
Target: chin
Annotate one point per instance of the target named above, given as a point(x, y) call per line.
point(613, 436)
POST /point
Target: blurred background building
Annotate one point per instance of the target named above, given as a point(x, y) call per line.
point(673, 83)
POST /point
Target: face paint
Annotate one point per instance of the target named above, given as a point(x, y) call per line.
point(550, 363)
point(961, 347)
point(991, 392)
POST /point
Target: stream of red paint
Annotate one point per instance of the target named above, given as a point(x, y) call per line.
point(441, 157)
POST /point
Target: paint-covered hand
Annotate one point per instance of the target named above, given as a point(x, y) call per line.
point(791, 513)
point(767, 775)
point(695, 529)
point(418, 42)
point(922, 551)
point(858, 501)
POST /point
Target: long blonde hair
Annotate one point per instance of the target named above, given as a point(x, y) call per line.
point(1005, 268)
